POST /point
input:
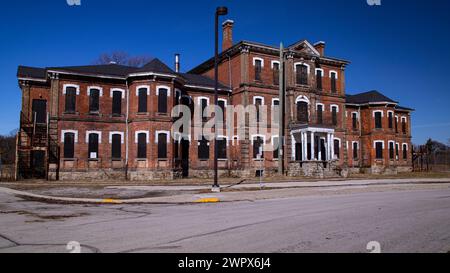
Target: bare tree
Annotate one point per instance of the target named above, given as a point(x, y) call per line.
point(123, 58)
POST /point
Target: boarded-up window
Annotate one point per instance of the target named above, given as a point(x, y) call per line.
point(378, 119)
point(117, 103)
point(276, 73)
point(222, 148)
point(333, 83)
point(301, 74)
point(258, 144)
point(276, 148)
point(142, 104)
point(334, 115)
point(162, 146)
point(379, 150)
point(203, 149)
point(69, 145)
point(162, 100)
point(93, 146)
point(94, 100)
point(116, 146)
point(142, 145)
point(405, 151)
point(355, 121)
point(391, 150)
point(258, 69)
point(337, 149)
point(391, 120)
point(71, 94)
point(319, 114)
point(39, 109)
point(319, 79)
point(355, 151)
point(302, 112)
point(258, 103)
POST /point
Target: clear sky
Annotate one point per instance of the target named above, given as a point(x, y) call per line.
point(399, 48)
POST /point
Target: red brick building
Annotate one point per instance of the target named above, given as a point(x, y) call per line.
point(113, 121)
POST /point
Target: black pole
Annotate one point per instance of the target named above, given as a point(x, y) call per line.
point(219, 11)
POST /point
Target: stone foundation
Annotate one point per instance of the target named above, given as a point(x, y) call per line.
point(314, 169)
point(97, 175)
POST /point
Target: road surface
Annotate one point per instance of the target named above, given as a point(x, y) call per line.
point(401, 221)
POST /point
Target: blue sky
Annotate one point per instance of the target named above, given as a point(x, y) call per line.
point(399, 48)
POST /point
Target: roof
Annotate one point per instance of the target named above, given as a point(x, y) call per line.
point(121, 71)
point(199, 80)
point(31, 72)
point(368, 97)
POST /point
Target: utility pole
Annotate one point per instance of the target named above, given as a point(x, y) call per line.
point(281, 114)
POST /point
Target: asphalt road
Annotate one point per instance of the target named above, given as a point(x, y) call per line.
point(401, 221)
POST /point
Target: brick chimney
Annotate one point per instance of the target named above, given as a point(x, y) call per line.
point(320, 46)
point(227, 40)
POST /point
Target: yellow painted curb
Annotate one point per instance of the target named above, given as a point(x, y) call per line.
point(208, 200)
point(111, 201)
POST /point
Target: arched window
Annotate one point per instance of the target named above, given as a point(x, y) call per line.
point(69, 144)
point(301, 74)
point(94, 94)
point(302, 112)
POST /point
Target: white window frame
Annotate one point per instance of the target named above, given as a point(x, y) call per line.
point(303, 99)
point(163, 87)
point(334, 105)
point(404, 119)
point(274, 100)
point(357, 145)
point(378, 141)
point(199, 101)
point(302, 63)
point(235, 138)
point(357, 116)
point(112, 90)
point(122, 136)
point(221, 137)
point(321, 104)
point(338, 139)
point(321, 70)
point(259, 135)
point(100, 89)
point(167, 133)
point(258, 59)
point(76, 86)
point(225, 102)
point(99, 133)
point(378, 111)
point(259, 97)
point(273, 64)
point(178, 91)
point(142, 87)
point(333, 71)
point(75, 132)
point(403, 146)
point(137, 133)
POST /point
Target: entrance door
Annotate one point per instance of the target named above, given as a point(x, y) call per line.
point(39, 109)
point(185, 145)
point(323, 150)
point(38, 164)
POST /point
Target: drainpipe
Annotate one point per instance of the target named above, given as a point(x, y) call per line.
point(360, 138)
point(127, 130)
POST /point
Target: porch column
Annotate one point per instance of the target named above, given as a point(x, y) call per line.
point(332, 146)
point(328, 147)
point(319, 149)
point(302, 136)
point(313, 152)
point(305, 146)
point(293, 146)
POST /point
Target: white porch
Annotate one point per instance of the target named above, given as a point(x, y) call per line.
point(313, 144)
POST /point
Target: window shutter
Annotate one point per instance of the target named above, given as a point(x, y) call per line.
point(94, 100)
point(69, 145)
point(117, 103)
point(162, 146)
point(162, 101)
point(93, 146)
point(116, 146)
point(142, 145)
point(71, 93)
point(142, 107)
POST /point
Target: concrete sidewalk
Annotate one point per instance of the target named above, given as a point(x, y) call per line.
point(242, 192)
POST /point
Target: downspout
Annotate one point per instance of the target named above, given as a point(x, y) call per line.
point(360, 138)
point(127, 130)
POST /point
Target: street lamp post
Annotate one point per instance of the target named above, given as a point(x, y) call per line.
point(219, 12)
